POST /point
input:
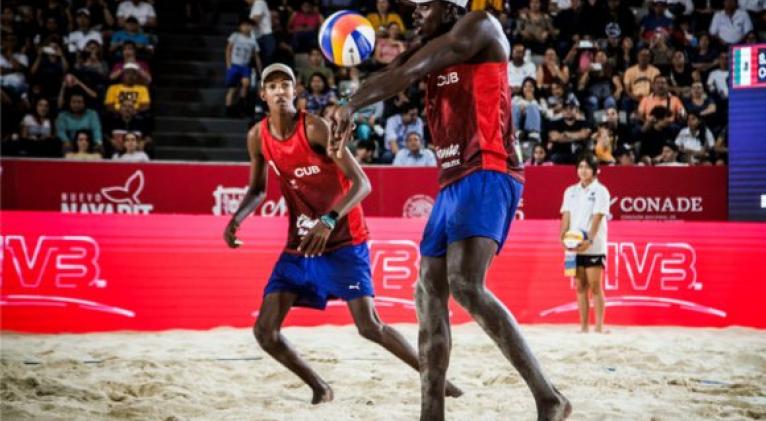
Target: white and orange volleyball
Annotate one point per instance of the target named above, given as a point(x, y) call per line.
point(347, 38)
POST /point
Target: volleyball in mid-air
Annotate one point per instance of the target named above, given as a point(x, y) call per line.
point(346, 38)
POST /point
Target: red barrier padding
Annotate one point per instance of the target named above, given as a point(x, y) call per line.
point(82, 273)
point(644, 193)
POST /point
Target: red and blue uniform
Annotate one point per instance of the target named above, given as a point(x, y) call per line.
point(312, 184)
point(468, 107)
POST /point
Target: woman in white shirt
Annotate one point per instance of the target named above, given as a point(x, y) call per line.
point(585, 208)
point(131, 153)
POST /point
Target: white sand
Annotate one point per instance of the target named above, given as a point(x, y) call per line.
point(631, 374)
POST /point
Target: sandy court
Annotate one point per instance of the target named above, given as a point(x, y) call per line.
point(630, 374)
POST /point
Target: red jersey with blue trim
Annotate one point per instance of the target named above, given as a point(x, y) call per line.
point(468, 107)
point(311, 184)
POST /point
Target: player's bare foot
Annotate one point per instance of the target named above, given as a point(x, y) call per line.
point(452, 391)
point(557, 410)
point(322, 393)
point(584, 330)
point(603, 331)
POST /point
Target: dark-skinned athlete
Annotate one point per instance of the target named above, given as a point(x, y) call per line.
point(464, 60)
point(326, 255)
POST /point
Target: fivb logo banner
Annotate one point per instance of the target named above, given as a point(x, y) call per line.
point(53, 271)
point(649, 275)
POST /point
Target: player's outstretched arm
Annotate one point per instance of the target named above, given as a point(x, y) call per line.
point(255, 192)
point(470, 35)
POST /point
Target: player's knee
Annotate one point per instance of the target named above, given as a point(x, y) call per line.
point(582, 286)
point(465, 291)
point(371, 331)
point(595, 288)
point(267, 338)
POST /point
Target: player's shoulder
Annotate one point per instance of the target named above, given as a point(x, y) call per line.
point(317, 129)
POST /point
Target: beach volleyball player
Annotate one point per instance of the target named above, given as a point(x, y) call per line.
point(326, 255)
point(464, 59)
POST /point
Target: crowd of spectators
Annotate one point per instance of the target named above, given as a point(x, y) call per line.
point(76, 78)
point(635, 82)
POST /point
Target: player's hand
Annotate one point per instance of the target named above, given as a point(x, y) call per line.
point(342, 129)
point(230, 235)
point(314, 242)
point(584, 245)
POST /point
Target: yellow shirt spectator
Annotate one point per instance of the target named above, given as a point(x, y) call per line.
point(382, 21)
point(138, 94)
point(479, 5)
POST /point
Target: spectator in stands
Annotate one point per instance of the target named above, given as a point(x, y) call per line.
point(91, 68)
point(414, 155)
point(573, 23)
point(721, 149)
point(241, 52)
point(695, 141)
point(261, 16)
point(638, 80)
point(539, 157)
point(701, 104)
point(382, 18)
point(131, 152)
point(550, 70)
point(100, 16)
point(718, 79)
point(303, 26)
point(71, 85)
point(661, 97)
point(37, 126)
point(387, 44)
point(77, 40)
point(619, 20)
point(568, 137)
point(605, 143)
point(315, 65)
point(131, 33)
point(56, 10)
point(656, 131)
point(662, 54)
point(319, 94)
point(284, 52)
point(128, 89)
point(525, 108)
point(47, 72)
point(77, 118)
point(703, 57)
point(85, 149)
point(128, 120)
point(535, 27)
point(681, 76)
point(625, 157)
point(518, 69)
point(600, 85)
point(367, 120)
point(129, 56)
point(731, 24)
point(656, 24)
point(397, 128)
point(364, 152)
point(625, 57)
point(13, 68)
point(621, 131)
point(668, 157)
point(553, 106)
point(143, 11)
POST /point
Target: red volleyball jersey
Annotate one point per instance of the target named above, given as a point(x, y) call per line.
point(311, 184)
point(468, 107)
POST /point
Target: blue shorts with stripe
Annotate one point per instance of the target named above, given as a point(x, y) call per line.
point(481, 204)
point(343, 273)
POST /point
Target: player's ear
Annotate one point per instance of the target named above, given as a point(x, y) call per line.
point(262, 93)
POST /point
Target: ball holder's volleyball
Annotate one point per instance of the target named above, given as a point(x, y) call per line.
point(573, 238)
point(347, 38)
